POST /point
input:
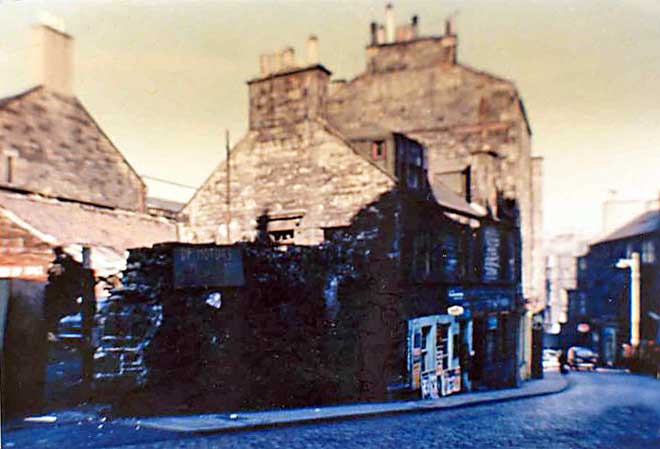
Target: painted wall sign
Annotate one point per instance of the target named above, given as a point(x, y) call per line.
point(211, 266)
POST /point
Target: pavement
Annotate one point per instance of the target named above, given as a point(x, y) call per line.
point(242, 420)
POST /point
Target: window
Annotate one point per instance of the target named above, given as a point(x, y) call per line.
point(648, 252)
point(284, 237)
point(421, 255)
point(8, 165)
point(411, 166)
point(378, 150)
point(427, 353)
point(335, 234)
point(281, 227)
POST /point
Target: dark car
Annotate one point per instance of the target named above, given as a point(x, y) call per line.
point(579, 357)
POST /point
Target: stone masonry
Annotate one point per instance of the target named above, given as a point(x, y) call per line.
point(464, 117)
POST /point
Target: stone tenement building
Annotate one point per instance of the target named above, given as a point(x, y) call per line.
point(472, 123)
point(466, 118)
point(62, 180)
point(299, 179)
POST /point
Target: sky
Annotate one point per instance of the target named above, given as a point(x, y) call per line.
point(165, 79)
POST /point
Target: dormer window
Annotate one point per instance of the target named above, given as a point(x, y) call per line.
point(378, 150)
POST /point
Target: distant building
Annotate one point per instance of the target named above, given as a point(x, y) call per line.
point(561, 276)
point(599, 312)
point(62, 180)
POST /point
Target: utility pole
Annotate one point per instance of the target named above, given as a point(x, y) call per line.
point(635, 299)
point(228, 186)
point(88, 310)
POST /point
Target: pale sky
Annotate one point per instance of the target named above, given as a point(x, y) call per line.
point(165, 78)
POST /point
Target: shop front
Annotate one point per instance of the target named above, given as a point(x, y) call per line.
point(495, 322)
point(434, 345)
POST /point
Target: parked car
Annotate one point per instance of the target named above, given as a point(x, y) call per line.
point(579, 357)
point(550, 359)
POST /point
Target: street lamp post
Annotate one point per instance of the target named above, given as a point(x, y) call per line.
point(635, 303)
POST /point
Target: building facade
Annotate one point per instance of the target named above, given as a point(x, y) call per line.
point(62, 180)
point(466, 118)
point(600, 308)
point(297, 179)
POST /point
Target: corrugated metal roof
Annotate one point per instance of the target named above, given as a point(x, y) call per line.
point(646, 223)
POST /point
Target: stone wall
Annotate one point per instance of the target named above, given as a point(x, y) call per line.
point(310, 172)
point(58, 150)
point(459, 114)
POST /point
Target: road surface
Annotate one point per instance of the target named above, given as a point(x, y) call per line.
point(600, 410)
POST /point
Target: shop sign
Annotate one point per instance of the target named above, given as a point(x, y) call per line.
point(455, 310)
point(207, 266)
point(455, 294)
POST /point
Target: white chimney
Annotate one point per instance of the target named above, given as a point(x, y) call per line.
point(389, 23)
point(53, 59)
point(312, 50)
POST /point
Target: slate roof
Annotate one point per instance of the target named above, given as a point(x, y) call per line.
point(646, 223)
point(64, 153)
point(66, 223)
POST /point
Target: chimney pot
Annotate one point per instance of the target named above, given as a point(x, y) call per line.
point(374, 33)
point(312, 50)
point(264, 65)
point(380, 35)
point(288, 58)
point(389, 23)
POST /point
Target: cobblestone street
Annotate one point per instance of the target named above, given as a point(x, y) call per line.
point(600, 410)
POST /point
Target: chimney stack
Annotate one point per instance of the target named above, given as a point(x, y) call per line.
point(53, 58)
point(312, 50)
point(389, 23)
point(414, 23)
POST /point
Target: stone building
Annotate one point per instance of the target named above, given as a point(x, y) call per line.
point(296, 178)
point(599, 314)
point(62, 180)
point(63, 183)
point(561, 277)
point(469, 120)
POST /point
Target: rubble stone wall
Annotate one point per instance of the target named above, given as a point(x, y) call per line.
point(309, 172)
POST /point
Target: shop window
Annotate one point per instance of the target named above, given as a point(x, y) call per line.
point(378, 150)
point(427, 349)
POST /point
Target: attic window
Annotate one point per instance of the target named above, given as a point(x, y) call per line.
point(378, 150)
